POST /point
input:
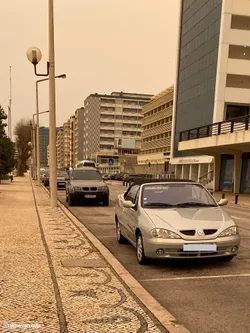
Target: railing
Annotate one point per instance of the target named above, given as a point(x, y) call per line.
point(223, 127)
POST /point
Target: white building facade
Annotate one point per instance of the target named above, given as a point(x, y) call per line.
point(211, 121)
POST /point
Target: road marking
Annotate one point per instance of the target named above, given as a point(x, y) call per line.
point(197, 277)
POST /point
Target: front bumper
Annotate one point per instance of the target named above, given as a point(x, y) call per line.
point(95, 196)
point(174, 248)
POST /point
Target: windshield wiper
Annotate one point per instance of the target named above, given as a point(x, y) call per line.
point(194, 204)
point(158, 204)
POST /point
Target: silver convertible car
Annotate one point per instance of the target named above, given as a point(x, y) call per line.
point(174, 219)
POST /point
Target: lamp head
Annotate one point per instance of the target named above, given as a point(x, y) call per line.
point(34, 55)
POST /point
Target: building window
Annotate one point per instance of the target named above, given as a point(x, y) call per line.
point(239, 52)
point(238, 81)
point(234, 111)
point(240, 22)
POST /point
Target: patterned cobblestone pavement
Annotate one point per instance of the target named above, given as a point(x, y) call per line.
point(94, 299)
point(26, 290)
point(52, 276)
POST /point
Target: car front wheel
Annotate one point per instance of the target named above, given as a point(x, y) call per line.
point(142, 259)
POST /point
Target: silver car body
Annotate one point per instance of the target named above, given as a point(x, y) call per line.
point(198, 228)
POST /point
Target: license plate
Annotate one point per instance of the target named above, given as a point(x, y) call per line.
point(61, 184)
point(200, 247)
point(90, 196)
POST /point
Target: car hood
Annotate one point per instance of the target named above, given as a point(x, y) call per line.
point(189, 218)
point(90, 183)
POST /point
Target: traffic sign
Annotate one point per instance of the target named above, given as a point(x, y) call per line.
point(111, 161)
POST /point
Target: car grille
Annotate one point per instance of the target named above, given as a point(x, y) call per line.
point(209, 231)
point(89, 188)
point(188, 232)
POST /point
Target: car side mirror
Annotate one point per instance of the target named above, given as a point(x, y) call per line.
point(128, 204)
point(223, 202)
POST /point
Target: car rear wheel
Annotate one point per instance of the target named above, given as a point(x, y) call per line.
point(120, 238)
point(142, 259)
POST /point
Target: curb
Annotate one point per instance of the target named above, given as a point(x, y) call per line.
point(159, 312)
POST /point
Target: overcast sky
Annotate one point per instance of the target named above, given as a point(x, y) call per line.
point(102, 46)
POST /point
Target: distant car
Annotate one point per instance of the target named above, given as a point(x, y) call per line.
point(86, 184)
point(61, 179)
point(106, 177)
point(86, 163)
point(44, 175)
point(175, 219)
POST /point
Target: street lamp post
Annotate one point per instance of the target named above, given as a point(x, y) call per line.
point(36, 145)
point(61, 76)
point(52, 108)
point(32, 150)
point(34, 55)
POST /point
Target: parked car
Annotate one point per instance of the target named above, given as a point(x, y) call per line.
point(86, 184)
point(86, 163)
point(175, 219)
point(44, 175)
point(106, 177)
point(62, 175)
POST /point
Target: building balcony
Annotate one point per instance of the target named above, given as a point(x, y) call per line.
point(226, 136)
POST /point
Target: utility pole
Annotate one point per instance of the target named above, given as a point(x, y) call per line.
point(9, 110)
point(52, 108)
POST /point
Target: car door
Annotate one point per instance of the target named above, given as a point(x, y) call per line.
point(130, 214)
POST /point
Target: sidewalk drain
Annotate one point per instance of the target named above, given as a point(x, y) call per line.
point(88, 263)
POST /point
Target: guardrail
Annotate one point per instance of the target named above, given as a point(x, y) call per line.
point(223, 127)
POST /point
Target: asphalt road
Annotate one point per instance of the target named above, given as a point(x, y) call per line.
point(205, 296)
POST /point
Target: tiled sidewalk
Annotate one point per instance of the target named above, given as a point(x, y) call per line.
point(53, 277)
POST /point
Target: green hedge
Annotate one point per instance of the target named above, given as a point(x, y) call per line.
point(4, 177)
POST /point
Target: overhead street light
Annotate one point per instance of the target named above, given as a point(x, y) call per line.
point(61, 76)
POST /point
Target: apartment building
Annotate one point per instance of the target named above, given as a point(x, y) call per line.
point(156, 132)
point(79, 130)
point(72, 122)
point(63, 146)
point(211, 114)
point(112, 126)
point(44, 142)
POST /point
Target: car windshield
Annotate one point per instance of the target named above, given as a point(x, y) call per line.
point(85, 175)
point(176, 195)
point(62, 174)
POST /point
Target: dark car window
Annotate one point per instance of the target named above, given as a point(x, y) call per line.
point(131, 194)
point(86, 175)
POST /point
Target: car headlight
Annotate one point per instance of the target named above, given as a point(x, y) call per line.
point(104, 188)
point(164, 233)
point(231, 231)
point(76, 188)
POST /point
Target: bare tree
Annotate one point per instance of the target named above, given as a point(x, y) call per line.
point(23, 137)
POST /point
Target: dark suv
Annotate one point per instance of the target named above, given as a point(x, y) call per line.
point(86, 184)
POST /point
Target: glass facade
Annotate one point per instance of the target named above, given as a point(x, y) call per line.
point(199, 42)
